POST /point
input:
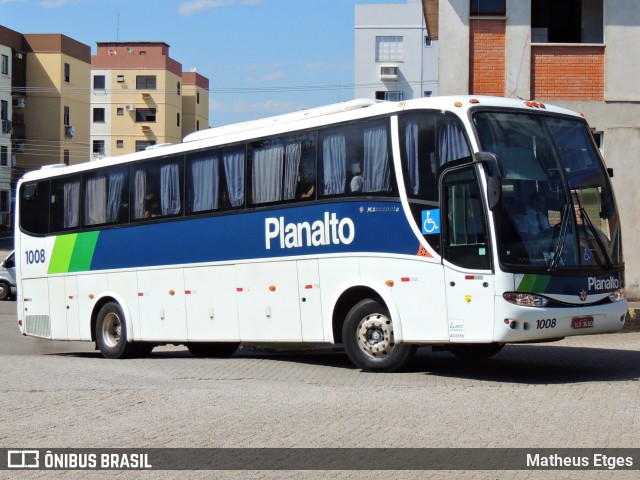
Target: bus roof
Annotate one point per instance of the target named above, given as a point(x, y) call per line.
point(311, 118)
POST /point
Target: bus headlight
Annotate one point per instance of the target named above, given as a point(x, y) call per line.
point(618, 295)
point(525, 299)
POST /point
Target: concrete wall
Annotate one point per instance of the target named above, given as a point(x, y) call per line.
point(622, 37)
point(453, 63)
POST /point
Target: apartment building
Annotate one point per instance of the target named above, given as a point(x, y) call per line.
point(396, 57)
point(44, 105)
point(140, 97)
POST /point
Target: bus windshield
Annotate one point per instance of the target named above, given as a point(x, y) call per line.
point(557, 210)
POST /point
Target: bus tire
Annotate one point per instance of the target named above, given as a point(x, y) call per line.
point(367, 336)
point(475, 351)
point(111, 332)
point(5, 291)
point(212, 349)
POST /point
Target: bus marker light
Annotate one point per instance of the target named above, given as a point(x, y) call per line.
point(91, 296)
point(172, 292)
point(70, 297)
point(272, 288)
point(389, 283)
point(239, 289)
point(474, 100)
point(458, 104)
point(405, 279)
point(140, 294)
point(308, 287)
point(187, 292)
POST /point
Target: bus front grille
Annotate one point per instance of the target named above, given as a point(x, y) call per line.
point(38, 326)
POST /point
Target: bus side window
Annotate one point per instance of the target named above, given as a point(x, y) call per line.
point(465, 232)
point(65, 203)
point(34, 207)
point(156, 189)
point(106, 197)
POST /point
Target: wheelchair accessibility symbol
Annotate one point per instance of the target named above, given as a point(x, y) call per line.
point(430, 221)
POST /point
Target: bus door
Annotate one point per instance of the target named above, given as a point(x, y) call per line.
point(469, 282)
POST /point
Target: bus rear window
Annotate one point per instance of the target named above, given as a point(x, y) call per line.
point(34, 207)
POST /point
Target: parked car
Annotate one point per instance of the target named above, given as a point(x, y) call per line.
point(8, 287)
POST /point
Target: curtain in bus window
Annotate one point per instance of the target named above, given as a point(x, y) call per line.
point(116, 184)
point(377, 176)
point(292, 165)
point(334, 156)
point(95, 201)
point(170, 189)
point(411, 145)
point(267, 174)
point(234, 173)
point(205, 184)
point(71, 204)
point(452, 144)
point(140, 190)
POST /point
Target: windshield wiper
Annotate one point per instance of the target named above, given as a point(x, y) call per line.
point(561, 239)
point(594, 231)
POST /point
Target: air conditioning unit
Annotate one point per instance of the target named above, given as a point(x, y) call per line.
point(146, 128)
point(129, 108)
point(146, 95)
point(120, 78)
point(18, 102)
point(389, 72)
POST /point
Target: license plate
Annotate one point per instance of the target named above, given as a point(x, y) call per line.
point(582, 322)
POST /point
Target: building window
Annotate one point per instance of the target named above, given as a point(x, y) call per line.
point(178, 119)
point(143, 144)
point(5, 65)
point(427, 93)
point(4, 111)
point(4, 201)
point(178, 88)
point(145, 114)
point(389, 49)
point(99, 82)
point(488, 7)
point(198, 98)
point(119, 143)
point(197, 125)
point(98, 148)
point(67, 72)
point(145, 82)
point(120, 111)
point(567, 21)
point(66, 117)
point(427, 42)
point(98, 115)
point(4, 155)
point(389, 96)
point(66, 157)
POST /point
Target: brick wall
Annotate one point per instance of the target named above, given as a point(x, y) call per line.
point(487, 57)
point(562, 72)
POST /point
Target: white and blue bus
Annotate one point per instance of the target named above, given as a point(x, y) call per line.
point(462, 223)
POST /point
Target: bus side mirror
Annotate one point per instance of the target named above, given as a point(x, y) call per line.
point(494, 177)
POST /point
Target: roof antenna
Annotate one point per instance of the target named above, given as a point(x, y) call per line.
point(118, 28)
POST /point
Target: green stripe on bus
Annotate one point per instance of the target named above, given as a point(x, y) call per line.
point(62, 251)
point(534, 283)
point(83, 252)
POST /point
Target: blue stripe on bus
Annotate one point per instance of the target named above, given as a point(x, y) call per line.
point(379, 227)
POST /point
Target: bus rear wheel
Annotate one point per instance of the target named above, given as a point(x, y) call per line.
point(111, 334)
point(212, 349)
point(367, 335)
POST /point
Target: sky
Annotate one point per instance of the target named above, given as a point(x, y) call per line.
point(262, 57)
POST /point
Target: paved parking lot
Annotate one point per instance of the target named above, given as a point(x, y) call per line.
point(581, 392)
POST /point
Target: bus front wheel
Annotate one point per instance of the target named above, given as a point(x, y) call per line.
point(111, 334)
point(368, 339)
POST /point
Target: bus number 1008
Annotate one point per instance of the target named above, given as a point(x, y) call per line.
point(35, 256)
